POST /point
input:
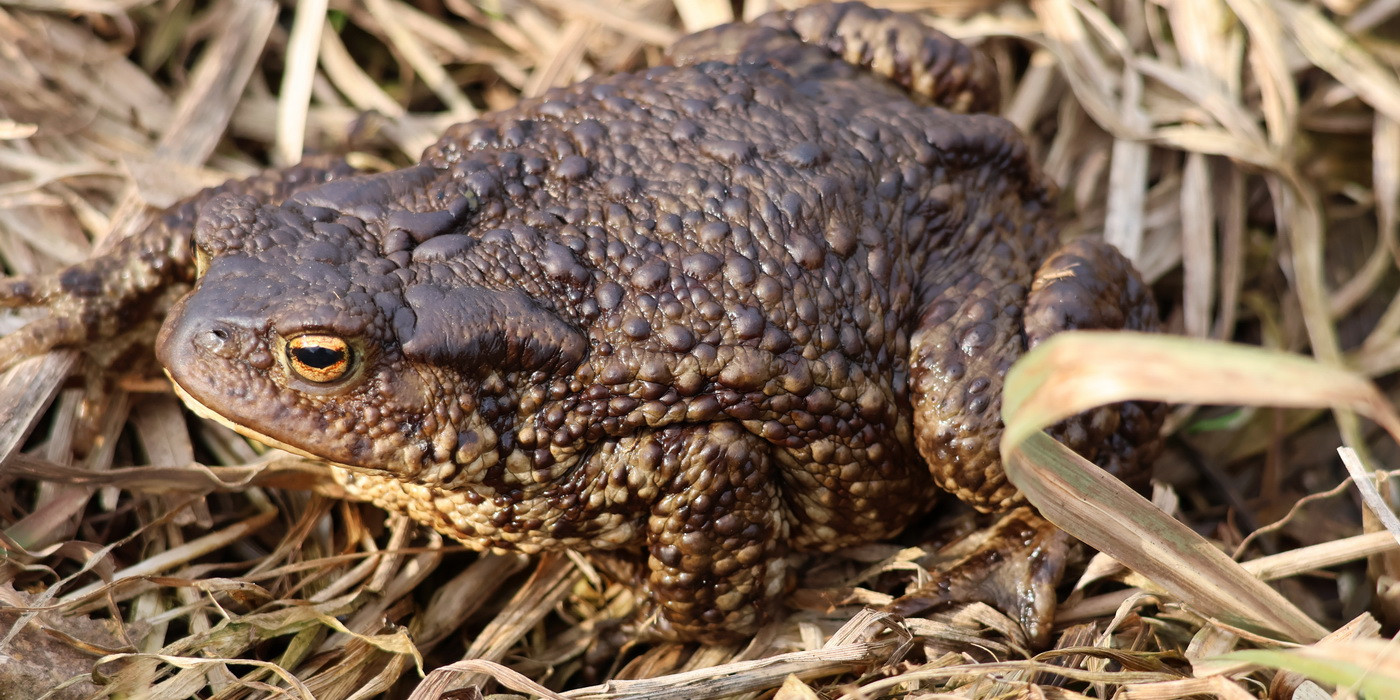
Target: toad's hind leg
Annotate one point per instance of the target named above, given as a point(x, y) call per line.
point(979, 324)
point(1089, 285)
point(922, 61)
point(974, 327)
point(717, 536)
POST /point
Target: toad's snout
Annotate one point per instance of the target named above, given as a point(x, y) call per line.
point(192, 339)
point(175, 343)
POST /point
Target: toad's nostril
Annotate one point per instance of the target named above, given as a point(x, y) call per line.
point(216, 341)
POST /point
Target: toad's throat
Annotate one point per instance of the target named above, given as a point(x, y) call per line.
point(205, 412)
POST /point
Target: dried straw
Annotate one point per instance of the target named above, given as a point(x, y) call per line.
point(1246, 154)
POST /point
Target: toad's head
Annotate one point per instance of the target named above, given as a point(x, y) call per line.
point(353, 324)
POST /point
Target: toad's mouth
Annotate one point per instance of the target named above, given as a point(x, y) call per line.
point(205, 412)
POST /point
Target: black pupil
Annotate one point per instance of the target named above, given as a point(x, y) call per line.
point(318, 357)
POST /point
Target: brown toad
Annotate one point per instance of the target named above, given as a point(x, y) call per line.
point(716, 312)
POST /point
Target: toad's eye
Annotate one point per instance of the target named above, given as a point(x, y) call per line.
point(319, 358)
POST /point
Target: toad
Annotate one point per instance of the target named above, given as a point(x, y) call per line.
point(753, 303)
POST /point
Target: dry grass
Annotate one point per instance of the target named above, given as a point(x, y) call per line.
point(1246, 153)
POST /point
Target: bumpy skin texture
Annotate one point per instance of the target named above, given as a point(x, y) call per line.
point(719, 311)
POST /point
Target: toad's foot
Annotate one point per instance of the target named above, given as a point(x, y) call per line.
point(1014, 566)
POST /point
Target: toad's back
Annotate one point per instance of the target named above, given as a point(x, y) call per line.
point(714, 312)
point(738, 241)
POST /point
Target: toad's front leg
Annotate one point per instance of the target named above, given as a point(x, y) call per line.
point(701, 503)
point(717, 533)
point(116, 292)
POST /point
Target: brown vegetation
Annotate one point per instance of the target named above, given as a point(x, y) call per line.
point(1245, 152)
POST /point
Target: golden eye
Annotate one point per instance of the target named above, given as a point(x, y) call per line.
point(201, 262)
point(319, 358)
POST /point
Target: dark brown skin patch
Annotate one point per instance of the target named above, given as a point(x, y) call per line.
point(717, 312)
